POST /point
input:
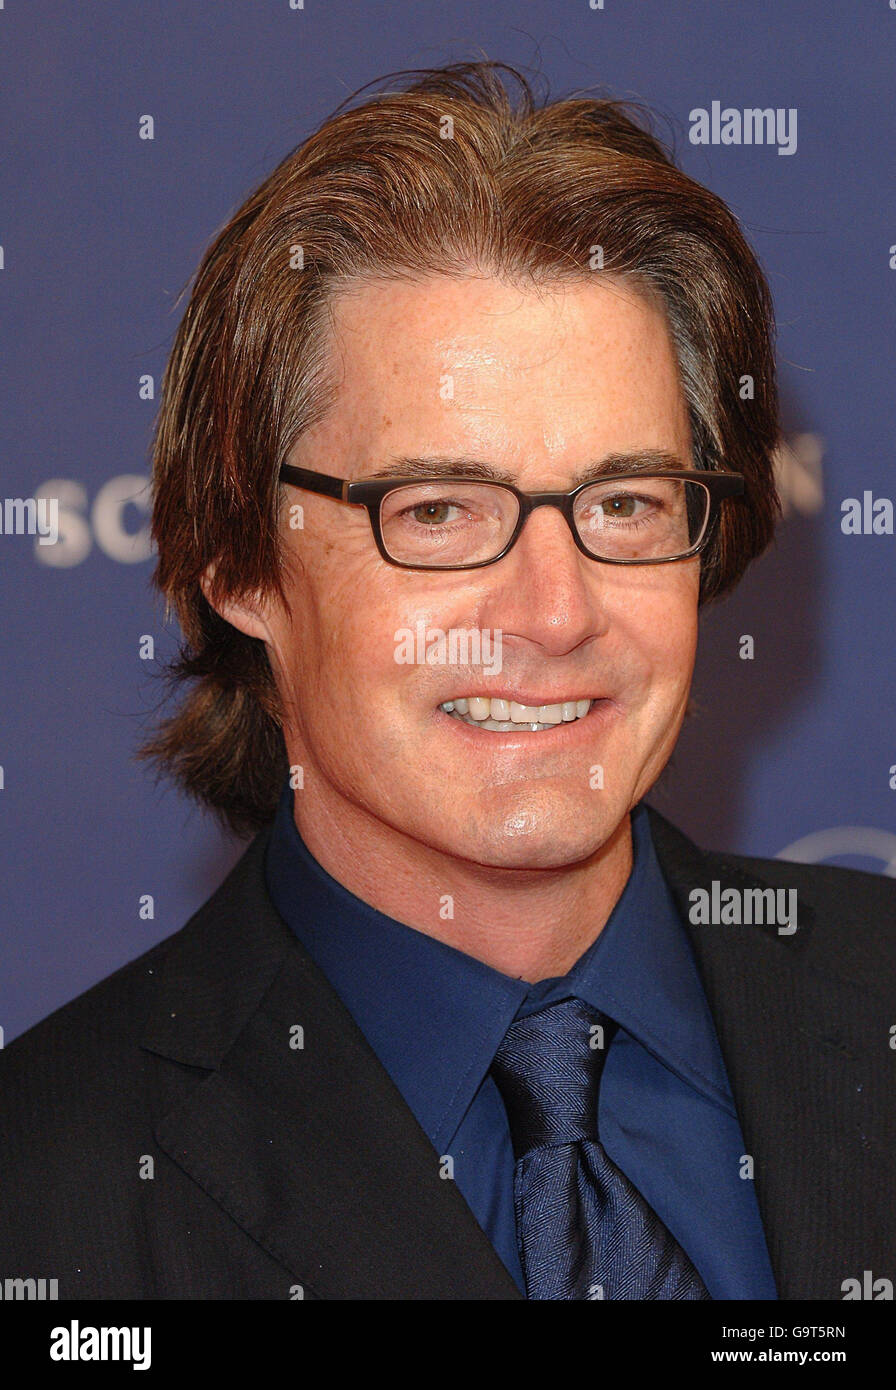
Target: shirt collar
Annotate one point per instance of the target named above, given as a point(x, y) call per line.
point(436, 1016)
point(641, 972)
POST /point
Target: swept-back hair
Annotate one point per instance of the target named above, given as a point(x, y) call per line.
point(451, 171)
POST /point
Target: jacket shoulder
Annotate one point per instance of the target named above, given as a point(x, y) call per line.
point(80, 1077)
point(82, 1090)
point(848, 915)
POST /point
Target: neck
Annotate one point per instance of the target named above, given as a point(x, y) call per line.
point(531, 924)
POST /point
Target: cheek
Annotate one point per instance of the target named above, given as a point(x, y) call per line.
point(676, 652)
point(375, 627)
point(344, 673)
point(671, 678)
point(332, 632)
point(660, 641)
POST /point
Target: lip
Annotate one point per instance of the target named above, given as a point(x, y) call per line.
point(517, 698)
point(601, 713)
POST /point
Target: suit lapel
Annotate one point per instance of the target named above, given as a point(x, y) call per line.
point(795, 1036)
point(310, 1148)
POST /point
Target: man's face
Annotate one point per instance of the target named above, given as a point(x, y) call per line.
point(539, 384)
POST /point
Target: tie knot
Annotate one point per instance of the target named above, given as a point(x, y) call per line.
point(548, 1071)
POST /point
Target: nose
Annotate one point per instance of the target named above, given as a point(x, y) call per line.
point(546, 590)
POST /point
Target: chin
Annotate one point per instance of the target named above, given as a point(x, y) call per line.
point(528, 841)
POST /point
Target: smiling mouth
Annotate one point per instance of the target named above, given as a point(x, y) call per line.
point(507, 717)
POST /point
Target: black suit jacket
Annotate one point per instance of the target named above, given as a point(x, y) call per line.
point(160, 1137)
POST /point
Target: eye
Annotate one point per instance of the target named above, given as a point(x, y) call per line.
point(622, 504)
point(434, 512)
point(618, 506)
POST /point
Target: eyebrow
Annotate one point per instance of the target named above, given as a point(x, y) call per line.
point(637, 461)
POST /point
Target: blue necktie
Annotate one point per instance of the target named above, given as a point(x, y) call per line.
point(584, 1231)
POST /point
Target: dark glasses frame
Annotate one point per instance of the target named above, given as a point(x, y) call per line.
point(370, 492)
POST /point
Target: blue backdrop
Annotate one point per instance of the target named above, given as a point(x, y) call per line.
point(792, 751)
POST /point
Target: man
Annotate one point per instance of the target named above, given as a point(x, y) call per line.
point(454, 442)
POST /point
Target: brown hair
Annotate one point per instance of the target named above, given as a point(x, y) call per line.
point(460, 169)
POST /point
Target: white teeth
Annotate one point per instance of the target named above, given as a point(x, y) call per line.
point(504, 716)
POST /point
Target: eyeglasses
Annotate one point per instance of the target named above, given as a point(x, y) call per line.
point(457, 523)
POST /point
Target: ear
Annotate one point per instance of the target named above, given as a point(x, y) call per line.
point(249, 613)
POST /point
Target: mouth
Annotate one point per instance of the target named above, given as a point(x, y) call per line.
point(509, 717)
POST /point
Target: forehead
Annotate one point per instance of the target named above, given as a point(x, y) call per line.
point(526, 372)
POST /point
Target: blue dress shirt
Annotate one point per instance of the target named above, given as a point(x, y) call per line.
point(435, 1017)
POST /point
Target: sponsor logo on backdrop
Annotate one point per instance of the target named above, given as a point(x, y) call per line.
point(799, 474)
point(858, 841)
point(116, 522)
